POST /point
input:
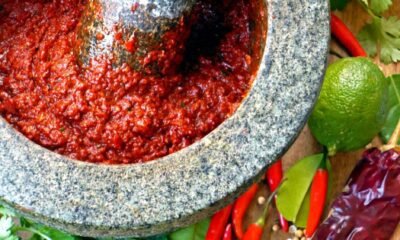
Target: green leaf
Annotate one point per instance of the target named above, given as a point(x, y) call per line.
point(24, 222)
point(302, 216)
point(194, 232)
point(384, 34)
point(297, 181)
point(50, 233)
point(338, 4)
point(8, 229)
point(6, 223)
point(394, 105)
point(379, 6)
point(6, 212)
point(391, 122)
point(394, 90)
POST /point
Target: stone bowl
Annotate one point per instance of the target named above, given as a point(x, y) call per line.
point(191, 184)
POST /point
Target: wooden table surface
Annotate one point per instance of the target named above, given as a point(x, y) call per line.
point(343, 163)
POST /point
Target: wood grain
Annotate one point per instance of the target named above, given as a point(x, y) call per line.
point(343, 163)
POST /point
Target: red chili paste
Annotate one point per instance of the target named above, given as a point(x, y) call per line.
point(106, 115)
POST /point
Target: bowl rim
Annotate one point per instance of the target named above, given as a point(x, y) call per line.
point(157, 196)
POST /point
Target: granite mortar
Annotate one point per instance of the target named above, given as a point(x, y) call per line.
point(184, 187)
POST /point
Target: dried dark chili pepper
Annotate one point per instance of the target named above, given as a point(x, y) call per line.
point(274, 177)
point(318, 192)
point(228, 232)
point(218, 223)
point(240, 207)
point(343, 34)
point(369, 207)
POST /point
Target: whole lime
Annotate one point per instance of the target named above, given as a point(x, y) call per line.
point(352, 106)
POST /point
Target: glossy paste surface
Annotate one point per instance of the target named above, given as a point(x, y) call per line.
point(113, 115)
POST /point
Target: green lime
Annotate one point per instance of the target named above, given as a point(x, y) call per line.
point(352, 106)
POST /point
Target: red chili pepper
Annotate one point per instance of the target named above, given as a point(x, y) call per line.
point(343, 34)
point(253, 232)
point(274, 176)
point(218, 223)
point(319, 189)
point(228, 232)
point(240, 208)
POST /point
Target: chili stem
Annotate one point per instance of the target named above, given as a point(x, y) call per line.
point(261, 220)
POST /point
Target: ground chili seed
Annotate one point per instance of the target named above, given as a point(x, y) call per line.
point(101, 114)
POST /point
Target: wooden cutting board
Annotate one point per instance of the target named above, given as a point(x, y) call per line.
point(343, 163)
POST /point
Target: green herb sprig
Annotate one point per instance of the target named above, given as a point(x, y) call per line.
point(12, 226)
point(381, 36)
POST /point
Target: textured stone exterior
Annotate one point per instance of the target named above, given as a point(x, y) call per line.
point(159, 196)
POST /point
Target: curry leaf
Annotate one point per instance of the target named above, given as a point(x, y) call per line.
point(394, 105)
point(391, 122)
point(394, 90)
point(194, 232)
point(293, 191)
point(302, 216)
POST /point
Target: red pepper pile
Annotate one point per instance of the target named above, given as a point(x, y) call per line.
point(368, 209)
point(220, 226)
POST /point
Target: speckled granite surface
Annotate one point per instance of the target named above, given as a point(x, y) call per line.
point(145, 199)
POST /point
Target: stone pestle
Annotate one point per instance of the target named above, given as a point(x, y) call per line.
point(148, 35)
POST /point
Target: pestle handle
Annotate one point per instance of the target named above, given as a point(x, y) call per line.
point(148, 35)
